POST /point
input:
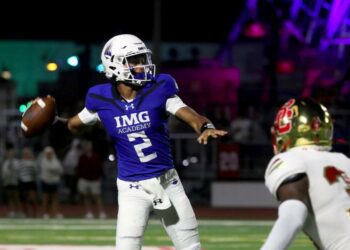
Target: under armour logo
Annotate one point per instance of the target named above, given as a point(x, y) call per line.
point(133, 186)
point(155, 202)
point(131, 106)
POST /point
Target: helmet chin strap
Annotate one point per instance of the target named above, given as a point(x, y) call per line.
point(127, 83)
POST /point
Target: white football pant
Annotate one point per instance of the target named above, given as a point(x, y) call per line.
point(135, 206)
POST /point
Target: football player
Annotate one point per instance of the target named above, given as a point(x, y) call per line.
point(134, 108)
point(312, 183)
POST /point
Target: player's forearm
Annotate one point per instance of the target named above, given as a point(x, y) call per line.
point(291, 217)
point(192, 118)
point(74, 124)
point(197, 123)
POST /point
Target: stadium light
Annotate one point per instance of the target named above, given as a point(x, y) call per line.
point(6, 75)
point(51, 66)
point(100, 68)
point(111, 157)
point(254, 29)
point(285, 66)
point(23, 107)
point(73, 61)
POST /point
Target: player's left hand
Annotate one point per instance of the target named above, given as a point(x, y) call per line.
point(214, 133)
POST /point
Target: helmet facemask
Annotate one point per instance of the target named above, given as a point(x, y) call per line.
point(139, 69)
point(135, 69)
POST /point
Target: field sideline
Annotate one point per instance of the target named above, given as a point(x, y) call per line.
point(79, 234)
point(55, 247)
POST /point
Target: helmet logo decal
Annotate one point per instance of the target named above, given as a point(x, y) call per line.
point(108, 51)
point(283, 122)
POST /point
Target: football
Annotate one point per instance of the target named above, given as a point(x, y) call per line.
point(39, 116)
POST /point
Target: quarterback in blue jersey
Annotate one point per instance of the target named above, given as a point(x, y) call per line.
point(134, 109)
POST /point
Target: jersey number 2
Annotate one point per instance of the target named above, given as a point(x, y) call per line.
point(145, 144)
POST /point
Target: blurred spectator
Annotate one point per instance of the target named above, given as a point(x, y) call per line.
point(240, 128)
point(173, 60)
point(9, 174)
point(90, 172)
point(248, 133)
point(70, 162)
point(343, 90)
point(28, 182)
point(50, 175)
point(247, 128)
point(219, 118)
point(194, 61)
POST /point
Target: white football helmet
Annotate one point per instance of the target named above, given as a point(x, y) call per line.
point(123, 54)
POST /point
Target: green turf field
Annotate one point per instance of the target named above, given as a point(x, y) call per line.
point(215, 234)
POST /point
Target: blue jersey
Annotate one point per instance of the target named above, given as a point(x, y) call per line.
point(138, 129)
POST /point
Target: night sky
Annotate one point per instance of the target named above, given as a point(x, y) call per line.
point(95, 22)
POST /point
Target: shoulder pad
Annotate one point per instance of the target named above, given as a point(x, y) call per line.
point(282, 167)
point(169, 85)
point(101, 90)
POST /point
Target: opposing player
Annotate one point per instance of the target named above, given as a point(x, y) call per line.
point(134, 108)
point(312, 184)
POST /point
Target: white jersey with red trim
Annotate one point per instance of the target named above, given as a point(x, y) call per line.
point(329, 189)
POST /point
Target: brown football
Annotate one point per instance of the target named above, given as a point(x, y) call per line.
point(39, 116)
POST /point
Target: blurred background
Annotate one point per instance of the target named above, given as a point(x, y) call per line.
point(234, 61)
